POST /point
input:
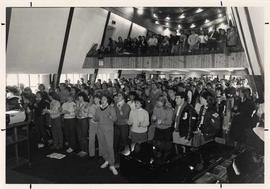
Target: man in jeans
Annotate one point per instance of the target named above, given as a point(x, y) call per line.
point(121, 129)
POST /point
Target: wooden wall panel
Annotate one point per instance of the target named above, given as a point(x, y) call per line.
point(220, 61)
point(192, 61)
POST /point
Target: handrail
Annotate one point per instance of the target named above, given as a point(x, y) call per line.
point(27, 122)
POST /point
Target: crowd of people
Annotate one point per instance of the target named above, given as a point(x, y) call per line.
point(188, 112)
point(187, 42)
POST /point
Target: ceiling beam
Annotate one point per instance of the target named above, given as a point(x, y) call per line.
point(62, 57)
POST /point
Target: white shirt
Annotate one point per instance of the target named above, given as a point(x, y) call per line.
point(139, 117)
point(131, 105)
point(69, 106)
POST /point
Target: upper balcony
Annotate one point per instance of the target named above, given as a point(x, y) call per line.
point(217, 49)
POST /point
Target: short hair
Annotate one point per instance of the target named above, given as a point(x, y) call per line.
point(109, 99)
point(181, 94)
point(141, 101)
point(97, 96)
point(85, 97)
point(208, 97)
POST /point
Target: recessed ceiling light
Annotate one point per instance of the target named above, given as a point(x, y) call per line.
point(206, 21)
point(156, 22)
point(192, 26)
point(140, 11)
point(199, 10)
point(155, 15)
point(182, 16)
point(167, 18)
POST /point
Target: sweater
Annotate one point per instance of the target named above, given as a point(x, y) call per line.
point(139, 120)
point(55, 109)
point(105, 117)
point(163, 117)
point(122, 113)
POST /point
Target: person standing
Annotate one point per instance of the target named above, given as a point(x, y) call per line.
point(162, 119)
point(93, 125)
point(68, 109)
point(184, 121)
point(139, 121)
point(41, 119)
point(82, 122)
point(55, 114)
point(121, 129)
point(105, 117)
point(209, 119)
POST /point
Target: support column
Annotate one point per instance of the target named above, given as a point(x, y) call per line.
point(119, 74)
point(130, 29)
point(62, 58)
point(8, 19)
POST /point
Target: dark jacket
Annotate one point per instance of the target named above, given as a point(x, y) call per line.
point(186, 121)
point(210, 125)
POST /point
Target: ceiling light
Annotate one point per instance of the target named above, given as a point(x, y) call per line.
point(155, 15)
point(199, 10)
point(179, 26)
point(167, 18)
point(220, 15)
point(206, 21)
point(140, 11)
point(192, 26)
point(156, 22)
point(167, 23)
point(182, 16)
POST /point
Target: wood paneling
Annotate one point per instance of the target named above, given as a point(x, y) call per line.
point(192, 61)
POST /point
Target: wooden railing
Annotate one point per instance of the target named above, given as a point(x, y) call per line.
point(233, 60)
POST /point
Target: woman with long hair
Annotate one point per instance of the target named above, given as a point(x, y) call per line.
point(162, 120)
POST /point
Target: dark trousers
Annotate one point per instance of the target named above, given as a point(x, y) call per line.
point(41, 128)
point(121, 133)
point(57, 133)
point(163, 134)
point(70, 132)
point(82, 133)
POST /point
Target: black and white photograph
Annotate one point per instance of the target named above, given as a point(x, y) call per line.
point(165, 93)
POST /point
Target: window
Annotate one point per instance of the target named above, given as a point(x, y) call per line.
point(12, 80)
point(24, 79)
point(34, 82)
point(63, 78)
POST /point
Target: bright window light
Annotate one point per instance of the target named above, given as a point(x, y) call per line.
point(12, 80)
point(199, 10)
point(24, 79)
point(182, 16)
point(192, 26)
point(140, 11)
